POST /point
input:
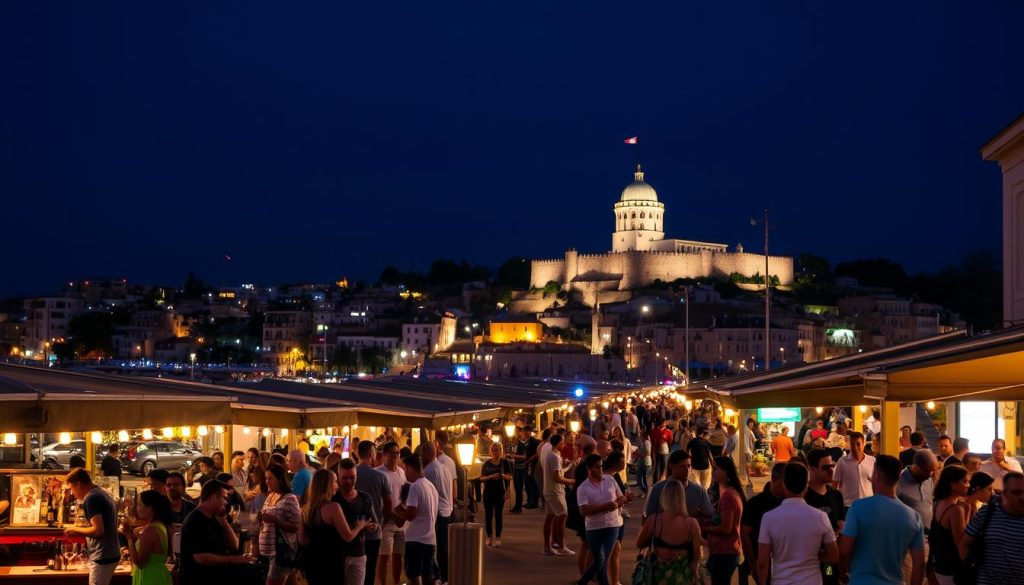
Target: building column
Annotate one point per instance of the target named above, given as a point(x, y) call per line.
point(226, 442)
point(858, 420)
point(90, 452)
point(890, 436)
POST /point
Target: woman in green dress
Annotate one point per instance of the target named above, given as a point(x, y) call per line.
point(674, 539)
point(148, 543)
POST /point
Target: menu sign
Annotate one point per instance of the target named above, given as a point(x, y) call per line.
point(26, 491)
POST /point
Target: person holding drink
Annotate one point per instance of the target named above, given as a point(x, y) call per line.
point(148, 543)
point(324, 531)
point(279, 523)
point(358, 510)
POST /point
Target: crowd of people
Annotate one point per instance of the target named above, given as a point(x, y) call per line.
point(831, 512)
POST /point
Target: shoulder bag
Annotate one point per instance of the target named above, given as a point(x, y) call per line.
point(968, 573)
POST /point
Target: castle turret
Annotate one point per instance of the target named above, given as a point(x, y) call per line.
point(639, 216)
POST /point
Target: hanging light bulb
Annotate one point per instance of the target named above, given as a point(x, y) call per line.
point(65, 437)
point(246, 430)
point(266, 432)
point(10, 439)
point(96, 436)
point(202, 430)
point(345, 430)
point(122, 436)
point(930, 405)
point(186, 432)
point(284, 433)
point(147, 434)
point(355, 426)
point(167, 432)
point(819, 409)
point(863, 408)
point(218, 429)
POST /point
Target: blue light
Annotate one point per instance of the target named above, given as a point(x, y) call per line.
point(578, 392)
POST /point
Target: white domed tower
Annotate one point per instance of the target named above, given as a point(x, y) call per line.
point(639, 216)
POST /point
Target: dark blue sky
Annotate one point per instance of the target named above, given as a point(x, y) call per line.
point(309, 142)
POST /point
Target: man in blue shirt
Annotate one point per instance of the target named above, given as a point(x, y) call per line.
point(302, 474)
point(879, 532)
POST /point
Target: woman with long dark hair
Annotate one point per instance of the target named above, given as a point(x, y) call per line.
point(982, 486)
point(279, 523)
point(949, 521)
point(148, 544)
point(495, 475)
point(723, 529)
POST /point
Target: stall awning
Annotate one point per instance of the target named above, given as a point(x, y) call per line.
point(71, 413)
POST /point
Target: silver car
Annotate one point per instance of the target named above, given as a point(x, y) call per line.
point(145, 457)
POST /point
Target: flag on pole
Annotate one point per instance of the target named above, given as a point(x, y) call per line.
point(632, 140)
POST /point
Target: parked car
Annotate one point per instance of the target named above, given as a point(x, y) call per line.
point(145, 457)
point(58, 455)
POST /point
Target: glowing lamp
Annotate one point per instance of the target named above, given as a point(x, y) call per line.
point(284, 433)
point(65, 437)
point(574, 425)
point(96, 436)
point(122, 436)
point(729, 412)
point(10, 439)
point(495, 438)
point(863, 408)
point(202, 431)
point(930, 405)
point(346, 430)
point(309, 432)
point(246, 430)
point(266, 432)
point(604, 404)
point(167, 432)
point(578, 393)
point(466, 450)
point(355, 426)
point(593, 414)
point(147, 434)
point(510, 429)
point(689, 405)
point(186, 432)
point(218, 429)
point(819, 409)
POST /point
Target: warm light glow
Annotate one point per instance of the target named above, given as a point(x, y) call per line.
point(819, 409)
point(689, 405)
point(186, 432)
point(930, 405)
point(510, 429)
point(284, 433)
point(466, 451)
point(355, 426)
point(729, 413)
point(202, 431)
point(309, 432)
point(266, 432)
point(10, 439)
point(574, 425)
point(65, 437)
point(593, 414)
point(495, 438)
point(122, 436)
point(345, 454)
point(245, 430)
point(147, 434)
point(863, 408)
point(604, 404)
point(345, 430)
point(373, 430)
point(167, 432)
point(218, 429)
point(96, 436)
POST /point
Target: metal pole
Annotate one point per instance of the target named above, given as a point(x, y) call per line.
point(767, 301)
point(686, 290)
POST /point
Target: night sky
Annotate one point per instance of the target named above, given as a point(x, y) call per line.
point(147, 139)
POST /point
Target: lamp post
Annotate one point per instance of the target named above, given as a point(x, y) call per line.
point(767, 293)
point(686, 292)
point(192, 371)
point(466, 540)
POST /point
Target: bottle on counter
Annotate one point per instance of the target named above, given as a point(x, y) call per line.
point(51, 512)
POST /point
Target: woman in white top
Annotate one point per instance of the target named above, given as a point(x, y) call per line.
point(599, 499)
point(627, 450)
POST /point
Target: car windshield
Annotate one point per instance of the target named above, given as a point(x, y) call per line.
point(142, 447)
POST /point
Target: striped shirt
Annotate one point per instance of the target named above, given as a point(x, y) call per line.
point(1001, 561)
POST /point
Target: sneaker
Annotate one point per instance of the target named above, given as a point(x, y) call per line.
point(497, 543)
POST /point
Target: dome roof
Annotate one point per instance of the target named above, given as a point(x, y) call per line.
point(638, 190)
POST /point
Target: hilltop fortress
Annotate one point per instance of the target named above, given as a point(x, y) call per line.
point(641, 253)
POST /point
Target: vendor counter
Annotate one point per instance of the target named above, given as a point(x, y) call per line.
point(43, 576)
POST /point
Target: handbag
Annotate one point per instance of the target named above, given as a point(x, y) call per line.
point(968, 573)
point(643, 572)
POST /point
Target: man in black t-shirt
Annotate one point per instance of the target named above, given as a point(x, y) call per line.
point(519, 470)
point(111, 464)
point(208, 543)
point(356, 506)
point(700, 458)
point(916, 444)
point(531, 452)
point(750, 522)
point(826, 498)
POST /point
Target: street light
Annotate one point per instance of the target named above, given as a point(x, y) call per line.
point(466, 450)
point(192, 375)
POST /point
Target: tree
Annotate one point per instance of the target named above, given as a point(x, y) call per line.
point(514, 273)
point(814, 267)
point(880, 272)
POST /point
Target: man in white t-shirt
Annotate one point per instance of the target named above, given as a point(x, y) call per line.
point(999, 465)
point(853, 472)
point(392, 540)
point(443, 481)
point(795, 538)
point(420, 513)
point(555, 508)
point(599, 499)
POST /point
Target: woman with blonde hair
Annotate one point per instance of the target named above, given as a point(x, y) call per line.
point(674, 538)
point(324, 530)
point(627, 450)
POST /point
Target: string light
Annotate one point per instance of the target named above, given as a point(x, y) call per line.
point(147, 434)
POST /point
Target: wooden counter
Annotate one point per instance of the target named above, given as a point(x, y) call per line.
point(43, 576)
